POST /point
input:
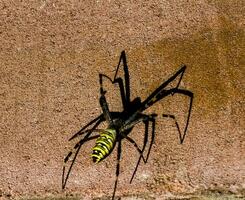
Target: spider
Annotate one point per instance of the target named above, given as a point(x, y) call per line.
point(120, 124)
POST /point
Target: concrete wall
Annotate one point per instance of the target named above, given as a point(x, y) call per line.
point(51, 53)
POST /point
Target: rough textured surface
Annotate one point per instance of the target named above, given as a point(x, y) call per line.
point(51, 53)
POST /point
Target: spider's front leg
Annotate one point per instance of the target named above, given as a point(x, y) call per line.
point(103, 102)
point(181, 138)
point(162, 92)
point(191, 97)
point(123, 83)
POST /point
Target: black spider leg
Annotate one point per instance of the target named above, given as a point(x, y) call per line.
point(176, 124)
point(161, 92)
point(157, 94)
point(77, 149)
point(124, 89)
point(103, 102)
point(83, 129)
point(119, 150)
point(187, 93)
point(131, 122)
point(153, 121)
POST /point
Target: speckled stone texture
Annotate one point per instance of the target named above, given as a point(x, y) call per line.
point(51, 53)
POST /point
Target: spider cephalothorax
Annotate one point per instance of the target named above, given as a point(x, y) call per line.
point(120, 124)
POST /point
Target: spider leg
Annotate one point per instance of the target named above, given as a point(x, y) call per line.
point(176, 123)
point(161, 92)
point(103, 102)
point(136, 146)
point(125, 89)
point(145, 143)
point(190, 95)
point(77, 149)
point(185, 93)
point(81, 131)
point(153, 121)
point(124, 86)
point(119, 150)
point(131, 122)
point(145, 119)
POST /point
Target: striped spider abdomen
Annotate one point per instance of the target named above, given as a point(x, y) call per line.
point(104, 145)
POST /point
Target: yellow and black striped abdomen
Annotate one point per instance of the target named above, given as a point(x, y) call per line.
point(104, 145)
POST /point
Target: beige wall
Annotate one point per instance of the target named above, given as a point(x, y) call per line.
point(51, 53)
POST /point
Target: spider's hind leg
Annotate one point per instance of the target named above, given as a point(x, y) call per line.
point(76, 150)
point(69, 155)
point(84, 128)
point(119, 150)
